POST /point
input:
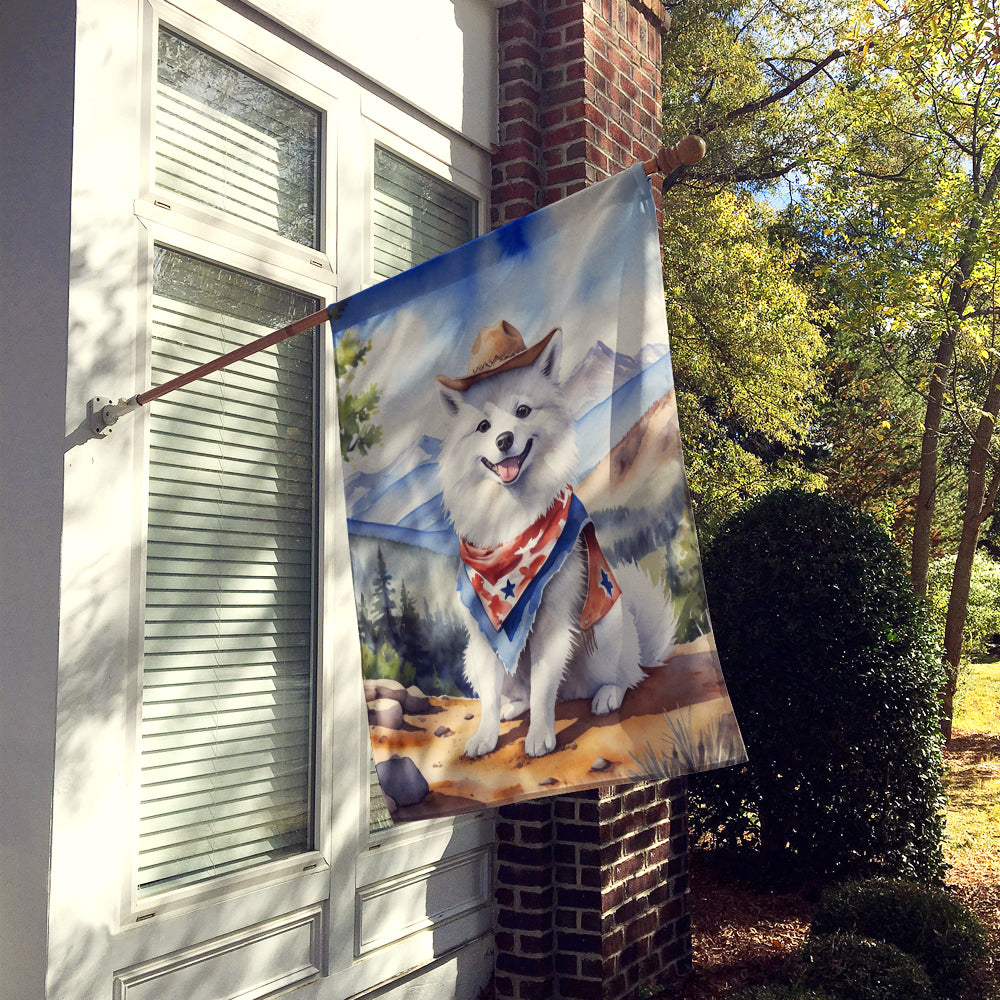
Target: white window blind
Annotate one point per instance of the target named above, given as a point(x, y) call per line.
point(228, 140)
point(228, 661)
point(416, 216)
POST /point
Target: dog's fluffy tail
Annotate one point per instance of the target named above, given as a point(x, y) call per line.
point(653, 612)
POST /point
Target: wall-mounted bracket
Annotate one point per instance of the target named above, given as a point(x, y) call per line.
point(103, 413)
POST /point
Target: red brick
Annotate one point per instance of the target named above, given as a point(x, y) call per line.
point(536, 944)
point(524, 920)
point(518, 48)
point(551, 39)
point(567, 175)
point(516, 111)
point(571, 14)
point(570, 51)
point(569, 132)
point(581, 989)
point(521, 130)
point(521, 90)
point(535, 967)
point(517, 149)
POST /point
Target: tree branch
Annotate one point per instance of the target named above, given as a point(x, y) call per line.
point(754, 106)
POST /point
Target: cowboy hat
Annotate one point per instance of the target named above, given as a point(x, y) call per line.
point(496, 349)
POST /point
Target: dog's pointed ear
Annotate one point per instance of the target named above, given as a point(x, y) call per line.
point(451, 400)
point(548, 361)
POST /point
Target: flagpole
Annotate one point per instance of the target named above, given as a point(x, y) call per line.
point(103, 413)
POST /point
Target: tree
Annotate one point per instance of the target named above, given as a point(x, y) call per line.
point(747, 358)
point(913, 185)
point(745, 76)
point(747, 352)
point(383, 603)
point(411, 642)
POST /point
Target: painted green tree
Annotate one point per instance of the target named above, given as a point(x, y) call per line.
point(355, 410)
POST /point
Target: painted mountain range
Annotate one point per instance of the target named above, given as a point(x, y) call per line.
point(402, 501)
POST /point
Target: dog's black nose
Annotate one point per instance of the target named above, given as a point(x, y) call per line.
point(504, 441)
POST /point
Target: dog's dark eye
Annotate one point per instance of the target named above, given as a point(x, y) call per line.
point(484, 426)
point(522, 411)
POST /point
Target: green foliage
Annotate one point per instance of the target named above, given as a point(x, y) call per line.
point(833, 672)
point(385, 663)
point(738, 73)
point(924, 921)
point(983, 611)
point(355, 410)
point(856, 968)
point(746, 353)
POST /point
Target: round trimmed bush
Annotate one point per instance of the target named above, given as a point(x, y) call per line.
point(926, 922)
point(833, 672)
point(856, 968)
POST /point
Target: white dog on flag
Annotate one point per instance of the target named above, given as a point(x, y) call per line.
point(545, 621)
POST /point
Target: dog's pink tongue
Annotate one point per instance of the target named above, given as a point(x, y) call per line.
point(507, 469)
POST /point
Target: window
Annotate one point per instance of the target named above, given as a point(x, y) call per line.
point(416, 216)
point(274, 183)
point(228, 140)
point(227, 706)
point(229, 646)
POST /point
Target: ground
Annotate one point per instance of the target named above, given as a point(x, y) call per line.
point(741, 934)
point(687, 691)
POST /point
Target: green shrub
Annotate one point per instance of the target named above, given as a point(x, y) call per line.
point(925, 922)
point(833, 672)
point(856, 968)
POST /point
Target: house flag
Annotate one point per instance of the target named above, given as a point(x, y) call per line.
point(530, 607)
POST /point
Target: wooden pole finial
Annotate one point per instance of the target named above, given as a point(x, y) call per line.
point(668, 158)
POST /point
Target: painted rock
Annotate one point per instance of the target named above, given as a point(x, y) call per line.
point(402, 781)
point(385, 712)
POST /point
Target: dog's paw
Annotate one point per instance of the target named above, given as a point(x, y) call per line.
point(512, 710)
point(608, 699)
point(481, 743)
point(538, 744)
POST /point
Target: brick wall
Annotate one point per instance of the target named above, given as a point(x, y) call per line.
point(579, 96)
point(591, 888)
point(591, 893)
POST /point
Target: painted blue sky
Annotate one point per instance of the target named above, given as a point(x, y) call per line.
point(586, 264)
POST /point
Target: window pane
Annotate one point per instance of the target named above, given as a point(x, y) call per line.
point(228, 140)
point(416, 215)
point(228, 679)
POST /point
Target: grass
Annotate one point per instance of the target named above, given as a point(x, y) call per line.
point(973, 783)
point(973, 810)
point(978, 698)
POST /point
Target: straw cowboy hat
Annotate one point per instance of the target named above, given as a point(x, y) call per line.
point(496, 349)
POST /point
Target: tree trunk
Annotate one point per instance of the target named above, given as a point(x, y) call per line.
point(958, 300)
point(920, 553)
point(979, 500)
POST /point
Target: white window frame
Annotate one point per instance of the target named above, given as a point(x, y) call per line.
point(350, 871)
point(180, 224)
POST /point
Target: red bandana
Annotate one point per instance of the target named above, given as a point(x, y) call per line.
point(500, 576)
